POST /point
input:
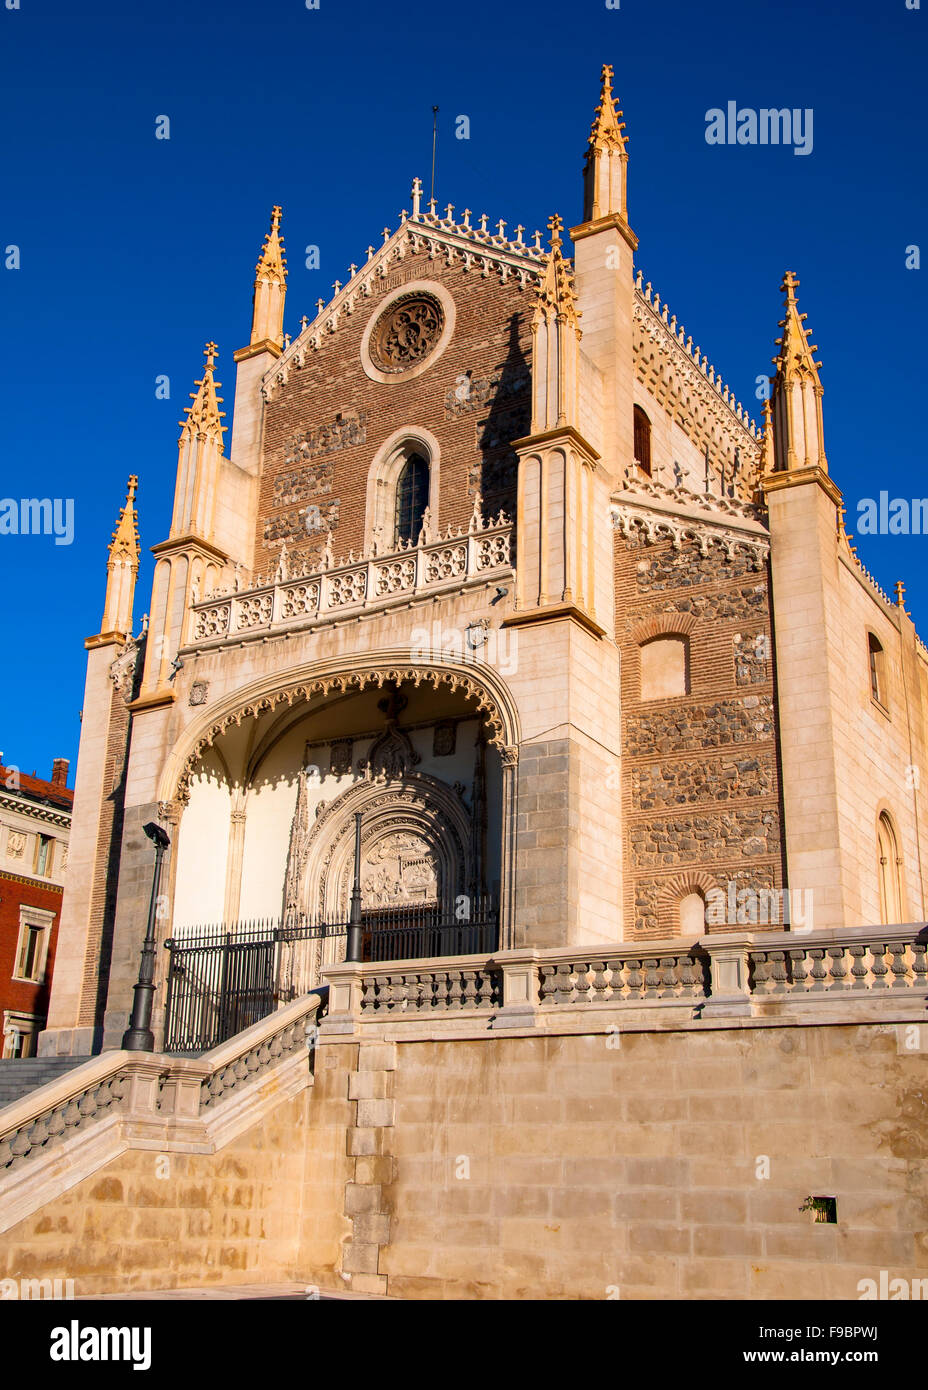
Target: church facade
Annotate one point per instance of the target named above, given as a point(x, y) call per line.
point(495, 567)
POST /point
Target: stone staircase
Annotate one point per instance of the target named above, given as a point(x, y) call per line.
point(20, 1075)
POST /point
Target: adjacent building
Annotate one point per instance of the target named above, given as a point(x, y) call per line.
point(35, 823)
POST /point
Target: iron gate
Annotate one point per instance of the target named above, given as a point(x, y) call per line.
point(223, 979)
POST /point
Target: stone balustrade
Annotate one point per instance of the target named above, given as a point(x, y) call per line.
point(752, 974)
point(330, 591)
point(122, 1100)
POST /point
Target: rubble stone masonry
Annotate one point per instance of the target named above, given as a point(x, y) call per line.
point(701, 798)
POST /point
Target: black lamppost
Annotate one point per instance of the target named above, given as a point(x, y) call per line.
point(138, 1037)
point(355, 936)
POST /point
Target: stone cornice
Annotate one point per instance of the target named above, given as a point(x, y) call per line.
point(35, 810)
point(603, 224)
point(190, 542)
point(42, 883)
point(797, 477)
point(555, 612)
point(531, 441)
point(256, 350)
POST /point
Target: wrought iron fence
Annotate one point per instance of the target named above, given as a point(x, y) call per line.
point(223, 978)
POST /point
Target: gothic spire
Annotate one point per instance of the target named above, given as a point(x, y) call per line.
point(556, 342)
point(798, 431)
point(267, 324)
point(122, 568)
point(606, 166)
point(199, 457)
point(204, 416)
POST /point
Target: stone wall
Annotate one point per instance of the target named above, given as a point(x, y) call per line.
point(708, 755)
point(660, 1164)
point(268, 1206)
point(656, 1165)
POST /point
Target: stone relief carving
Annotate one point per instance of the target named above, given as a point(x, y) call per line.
point(400, 868)
point(340, 757)
point(198, 693)
point(444, 739)
point(122, 669)
point(16, 844)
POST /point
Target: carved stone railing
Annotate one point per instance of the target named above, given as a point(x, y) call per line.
point(54, 1124)
point(809, 969)
point(751, 974)
point(331, 591)
point(428, 991)
point(146, 1090)
point(620, 979)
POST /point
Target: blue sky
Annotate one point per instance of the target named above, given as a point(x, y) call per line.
point(134, 251)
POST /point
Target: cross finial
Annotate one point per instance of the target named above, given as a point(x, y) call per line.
point(275, 217)
point(900, 594)
point(554, 227)
point(790, 285)
point(416, 195)
point(209, 352)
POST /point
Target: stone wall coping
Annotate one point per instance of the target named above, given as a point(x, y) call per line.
point(744, 939)
point(830, 936)
point(660, 1016)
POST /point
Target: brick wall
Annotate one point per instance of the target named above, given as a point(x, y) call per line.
point(326, 423)
point(15, 891)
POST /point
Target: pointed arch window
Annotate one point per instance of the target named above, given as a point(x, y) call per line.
point(412, 497)
point(889, 865)
point(877, 671)
point(642, 441)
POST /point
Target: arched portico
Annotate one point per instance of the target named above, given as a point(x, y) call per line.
point(421, 751)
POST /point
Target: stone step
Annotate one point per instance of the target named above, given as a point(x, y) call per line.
point(20, 1075)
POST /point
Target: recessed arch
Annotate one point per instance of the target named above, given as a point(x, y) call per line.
point(492, 697)
point(383, 478)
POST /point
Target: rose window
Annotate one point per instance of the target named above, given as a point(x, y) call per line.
point(406, 333)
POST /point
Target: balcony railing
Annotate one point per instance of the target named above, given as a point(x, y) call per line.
point(331, 590)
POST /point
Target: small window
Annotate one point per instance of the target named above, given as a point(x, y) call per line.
point(642, 440)
point(21, 1033)
point(665, 668)
point(412, 497)
point(32, 947)
point(43, 855)
point(877, 670)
